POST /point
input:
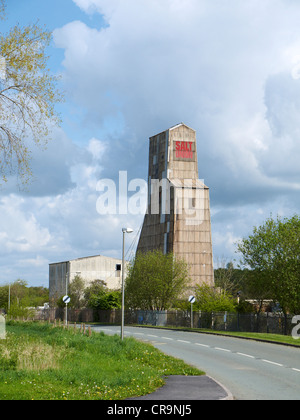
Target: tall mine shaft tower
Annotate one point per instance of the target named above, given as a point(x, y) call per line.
point(178, 214)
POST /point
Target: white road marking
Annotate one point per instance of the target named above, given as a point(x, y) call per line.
point(202, 345)
point(220, 348)
point(246, 355)
point(272, 363)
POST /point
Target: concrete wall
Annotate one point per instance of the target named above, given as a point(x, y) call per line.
point(90, 268)
point(57, 279)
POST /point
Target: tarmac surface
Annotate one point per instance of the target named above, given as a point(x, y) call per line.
point(188, 388)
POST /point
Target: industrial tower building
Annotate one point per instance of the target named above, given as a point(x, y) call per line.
point(178, 214)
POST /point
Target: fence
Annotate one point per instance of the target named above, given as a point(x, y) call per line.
point(265, 322)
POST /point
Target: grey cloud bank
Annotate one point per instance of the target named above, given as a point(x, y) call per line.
point(229, 70)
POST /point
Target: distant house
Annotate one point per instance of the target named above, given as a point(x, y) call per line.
point(89, 269)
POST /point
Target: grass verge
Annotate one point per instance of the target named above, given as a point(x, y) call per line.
point(40, 362)
point(274, 338)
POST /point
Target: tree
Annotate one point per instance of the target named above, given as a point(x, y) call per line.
point(229, 278)
point(27, 97)
point(155, 280)
point(252, 283)
point(76, 292)
point(22, 295)
point(96, 289)
point(2, 9)
point(209, 299)
point(107, 301)
point(273, 252)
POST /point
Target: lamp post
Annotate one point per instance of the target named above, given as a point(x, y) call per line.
point(66, 307)
point(124, 230)
point(19, 282)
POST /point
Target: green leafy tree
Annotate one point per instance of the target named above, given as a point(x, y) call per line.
point(28, 94)
point(22, 295)
point(106, 301)
point(36, 296)
point(76, 292)
point(155, 280)
point(2, 9)
point(112, 300)
point(273, 253)
point(3, 297)
point(94, 291)
point(209, 299)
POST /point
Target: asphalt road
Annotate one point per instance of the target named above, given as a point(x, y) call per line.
point(251, 370)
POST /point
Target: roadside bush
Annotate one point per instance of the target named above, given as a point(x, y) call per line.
point(209, 299)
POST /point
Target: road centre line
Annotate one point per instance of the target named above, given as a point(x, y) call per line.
point(206, 346)
point(227, 351)
point(202, 345)
point(272, 363)
point(220, 348)
point(246, 355)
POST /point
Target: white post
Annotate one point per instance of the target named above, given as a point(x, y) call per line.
point(66, 308)
point(124, 230)
point(123, 288)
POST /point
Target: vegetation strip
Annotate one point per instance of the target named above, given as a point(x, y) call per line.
point(39, 361)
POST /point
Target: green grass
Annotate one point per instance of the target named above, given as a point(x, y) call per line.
point(276, 338)
point(40, 362)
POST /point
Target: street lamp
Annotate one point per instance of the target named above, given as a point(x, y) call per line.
point(124, 230)
point(19, 282)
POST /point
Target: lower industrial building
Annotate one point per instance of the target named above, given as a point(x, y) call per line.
point(98, 267)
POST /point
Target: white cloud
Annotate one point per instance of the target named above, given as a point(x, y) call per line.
point(227, 69)
point(37, 262)
point(205, 63)
point(38, 229)
point(20, 232)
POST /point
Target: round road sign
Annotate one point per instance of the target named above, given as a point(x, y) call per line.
point(66, 299)
point(192, 299)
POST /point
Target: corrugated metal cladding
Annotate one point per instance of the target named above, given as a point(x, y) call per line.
point(178, 216)
point(93, 268)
